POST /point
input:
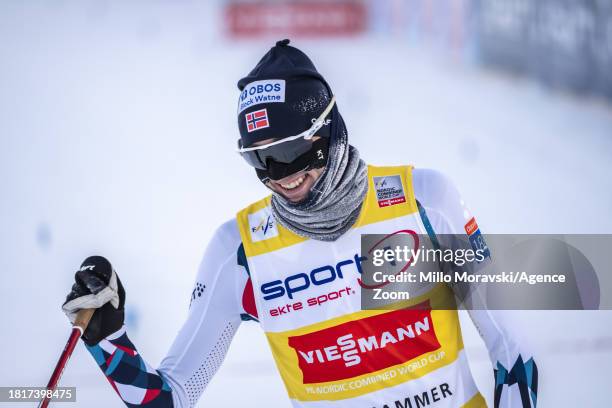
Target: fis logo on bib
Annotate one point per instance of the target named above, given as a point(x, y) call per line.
point(262, 225)
point(266, 91)
point(389, 190)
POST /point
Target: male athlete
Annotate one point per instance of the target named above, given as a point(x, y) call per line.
point(291, 262)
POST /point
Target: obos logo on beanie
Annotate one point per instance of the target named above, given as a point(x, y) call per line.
point(266, 91)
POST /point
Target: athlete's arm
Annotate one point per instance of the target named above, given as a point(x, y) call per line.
point(200, 346)
point(515, 371)
point(214, 317)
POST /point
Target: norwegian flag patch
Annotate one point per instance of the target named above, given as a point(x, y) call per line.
point(257, 120)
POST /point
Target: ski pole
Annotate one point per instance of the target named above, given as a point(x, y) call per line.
point(80, 324)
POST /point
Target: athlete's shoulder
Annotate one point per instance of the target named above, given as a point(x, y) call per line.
point(441, 200)
point(220, 256)
point(226, 237)
point(432, 187)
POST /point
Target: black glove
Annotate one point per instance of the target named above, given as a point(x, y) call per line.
point(97, 286)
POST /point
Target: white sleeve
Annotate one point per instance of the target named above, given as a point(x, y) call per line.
point(448, 214)
point(214, 316)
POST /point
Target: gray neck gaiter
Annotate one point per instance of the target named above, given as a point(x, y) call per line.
point(335, 200)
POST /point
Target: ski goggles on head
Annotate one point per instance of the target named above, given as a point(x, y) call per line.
point(287, 149)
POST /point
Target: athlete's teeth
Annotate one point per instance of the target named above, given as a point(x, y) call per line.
point(293, 184)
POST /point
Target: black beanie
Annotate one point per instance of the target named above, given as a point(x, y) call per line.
point(281, 96)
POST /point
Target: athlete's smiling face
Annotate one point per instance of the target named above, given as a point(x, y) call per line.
point(296, 186)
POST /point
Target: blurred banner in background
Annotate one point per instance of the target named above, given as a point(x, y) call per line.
point(561, 43)
point(295, 18)
point(564, 44)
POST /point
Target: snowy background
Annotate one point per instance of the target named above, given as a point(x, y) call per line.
point(117, 130)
